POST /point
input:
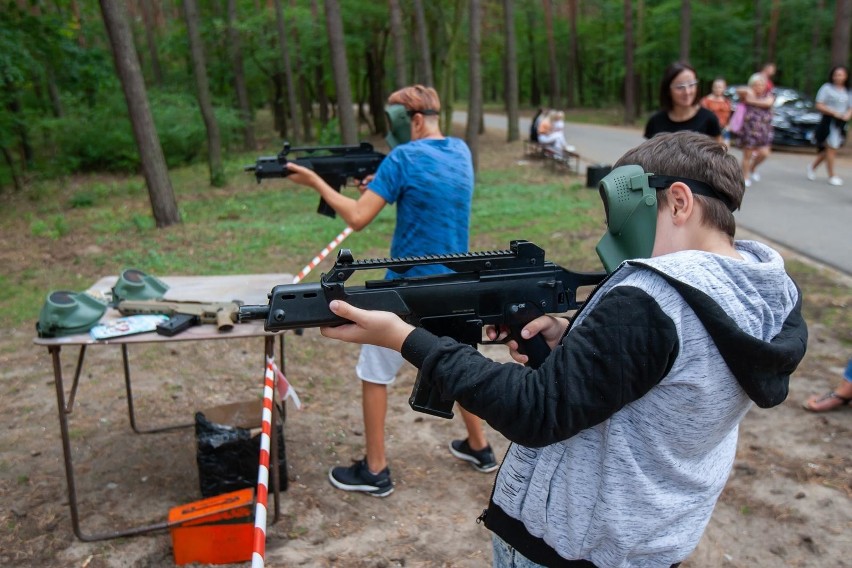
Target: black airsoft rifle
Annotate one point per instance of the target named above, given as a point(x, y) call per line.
point(510, 287)
point(334, 164)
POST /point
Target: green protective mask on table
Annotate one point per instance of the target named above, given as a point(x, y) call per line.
point(399, 125)
point(629, 196)
point(69, 313)
point(133, 284)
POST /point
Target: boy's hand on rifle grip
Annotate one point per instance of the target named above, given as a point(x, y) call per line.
point(551, 329)
point(362, 183)
point(384, 329)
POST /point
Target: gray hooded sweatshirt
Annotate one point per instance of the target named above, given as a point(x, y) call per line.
point(625, 436)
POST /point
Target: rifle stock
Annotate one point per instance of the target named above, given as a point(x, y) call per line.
point(510, 287)
point(336, 165)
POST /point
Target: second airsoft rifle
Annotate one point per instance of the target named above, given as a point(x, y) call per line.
point(183, 315)
point(510, 287)
point(334, 164)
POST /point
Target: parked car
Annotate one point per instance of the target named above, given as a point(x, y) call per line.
point(793, 115)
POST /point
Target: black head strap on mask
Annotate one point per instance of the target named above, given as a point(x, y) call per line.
point(697, 187)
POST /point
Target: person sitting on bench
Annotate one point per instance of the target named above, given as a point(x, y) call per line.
point(551, 135)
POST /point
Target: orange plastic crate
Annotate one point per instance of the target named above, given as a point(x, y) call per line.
point(216, 530)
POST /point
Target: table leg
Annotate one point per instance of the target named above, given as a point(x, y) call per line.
point(64, 410)
point(130, 409)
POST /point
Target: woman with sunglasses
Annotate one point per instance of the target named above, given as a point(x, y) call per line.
point(679, 105)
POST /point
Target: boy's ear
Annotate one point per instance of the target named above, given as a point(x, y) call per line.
point(680, 201)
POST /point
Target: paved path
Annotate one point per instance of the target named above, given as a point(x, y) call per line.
point(812, 218)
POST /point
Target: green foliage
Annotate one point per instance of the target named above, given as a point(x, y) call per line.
point(329, 135)
point(84, 126)
point(101, 138)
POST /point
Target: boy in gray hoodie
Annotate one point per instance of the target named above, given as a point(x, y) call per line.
point(624, 437)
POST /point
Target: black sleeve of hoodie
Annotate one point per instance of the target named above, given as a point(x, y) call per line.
point(624, 347)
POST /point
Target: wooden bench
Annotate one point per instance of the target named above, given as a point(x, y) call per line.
point(533, 149)
point(568, 160)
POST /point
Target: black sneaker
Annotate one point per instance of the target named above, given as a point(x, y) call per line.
point(357, 477)
point(481, 460)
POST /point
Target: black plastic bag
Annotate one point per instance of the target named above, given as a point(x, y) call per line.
point(228, 455)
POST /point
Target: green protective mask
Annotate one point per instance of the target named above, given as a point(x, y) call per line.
point(133, 284)
point(399, 125)
point(69, 313)
point(630, 205)
point(629, 196)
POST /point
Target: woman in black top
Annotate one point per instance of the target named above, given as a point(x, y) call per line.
point(680, 108)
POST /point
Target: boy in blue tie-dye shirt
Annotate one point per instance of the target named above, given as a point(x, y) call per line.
point(429, 177)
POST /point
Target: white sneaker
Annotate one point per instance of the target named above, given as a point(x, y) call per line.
point(755, 176)
point(811, 173)
point(834, 180)
point(748, 182)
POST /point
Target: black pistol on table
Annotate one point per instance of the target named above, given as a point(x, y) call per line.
point(510, 287)
point(336, 165)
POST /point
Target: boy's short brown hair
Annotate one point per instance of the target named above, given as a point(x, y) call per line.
point(699, 157)
point(416, 97)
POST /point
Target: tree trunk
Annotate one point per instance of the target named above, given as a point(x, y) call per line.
point(424, 64)
point(474, 112)
point(840, 36)
point(511, 72)
point(446, 80)
point(629, 71)
point(577, 66)
point(375, 81)
point(551, 54)
point(53, 92)
point(279, 113)
point(398, 41)
point(758, 34)
point(535, 90)
point(288, 71)
point(10, 162)
point(19, 122)
point(319, 76)
point(199, 67)
point(151, 40)
point(772, 39)
point(685, 29)
point(815, 35)
point(150, 152)
point(236, 53)
point(340, 68)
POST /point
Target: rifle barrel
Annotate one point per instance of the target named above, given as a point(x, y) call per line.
point(247, 313)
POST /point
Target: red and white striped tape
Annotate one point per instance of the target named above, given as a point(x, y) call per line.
point(285, 389)
point(322, 254)
point(262, 497)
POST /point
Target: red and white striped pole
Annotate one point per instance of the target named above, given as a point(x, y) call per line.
point(322, 254)
point(285, 390)
point(260, 508)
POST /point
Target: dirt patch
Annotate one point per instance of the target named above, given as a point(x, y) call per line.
point(787, 502)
